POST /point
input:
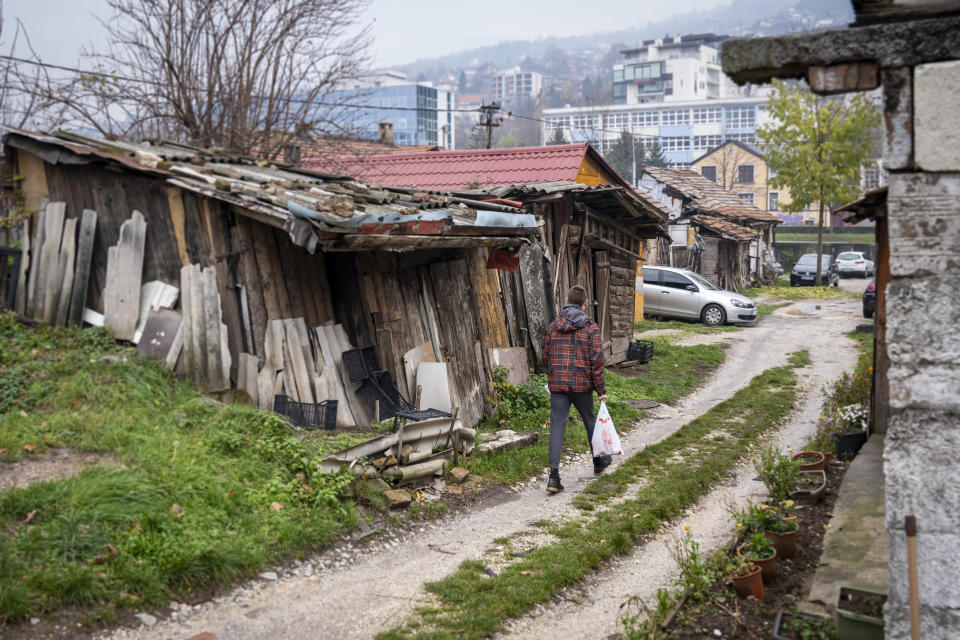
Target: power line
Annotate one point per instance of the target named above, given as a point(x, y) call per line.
point(155, 83)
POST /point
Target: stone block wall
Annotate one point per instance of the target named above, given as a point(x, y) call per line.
point(921, 463)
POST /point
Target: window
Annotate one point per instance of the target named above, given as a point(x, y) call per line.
point(651, 276)
point(708, 114)
point(741, 117)
point(746, 197)
point(773, 201)
point(673, 280)
point(676, 116)
point(675, 144)
point(745, 173)
point(706, 142)
point(583, 122)
point(871, 177)
point(709, 172)
point(646, 118)
point(748, 138)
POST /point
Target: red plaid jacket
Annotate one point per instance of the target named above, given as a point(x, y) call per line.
point(573, 353)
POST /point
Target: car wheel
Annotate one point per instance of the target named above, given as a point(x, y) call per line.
point(713, 315)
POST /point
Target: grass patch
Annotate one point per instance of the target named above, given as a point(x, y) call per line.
point(474, 604)
point(687, 326)
point(204, 493)
point(845, 238)
point(783, 291)
point(673, 373)
point(767, 309)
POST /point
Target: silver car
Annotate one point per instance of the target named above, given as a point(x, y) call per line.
point(680, 293)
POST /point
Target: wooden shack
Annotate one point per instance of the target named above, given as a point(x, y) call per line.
point(396, 267)
point(594, 237)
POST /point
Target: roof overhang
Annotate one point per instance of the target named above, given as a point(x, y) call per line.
point(871, 206)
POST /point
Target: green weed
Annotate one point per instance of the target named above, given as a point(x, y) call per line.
point(474, 604)
point(201, 493)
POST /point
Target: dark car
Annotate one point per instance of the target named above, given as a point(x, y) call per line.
point(805, 270)
point(870, 299)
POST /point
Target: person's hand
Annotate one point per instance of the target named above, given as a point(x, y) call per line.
point(603, 397)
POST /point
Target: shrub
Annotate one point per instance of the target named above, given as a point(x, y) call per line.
point(518, 403)
point(777, 471)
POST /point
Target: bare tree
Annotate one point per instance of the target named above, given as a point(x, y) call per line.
point(251, 76)
point(20, 105)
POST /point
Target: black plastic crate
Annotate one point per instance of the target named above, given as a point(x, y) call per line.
point(307, 415)
point(640, 350)
point(361, 363)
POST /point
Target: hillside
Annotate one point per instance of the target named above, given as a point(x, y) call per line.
point(739, 18)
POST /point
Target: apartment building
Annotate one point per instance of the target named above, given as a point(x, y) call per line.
point(514, 83)
point(684, 130)
point(675, 69)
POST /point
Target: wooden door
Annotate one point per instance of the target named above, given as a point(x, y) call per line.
point(601, 265)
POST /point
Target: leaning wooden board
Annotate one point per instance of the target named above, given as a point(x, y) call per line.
point(121, 296)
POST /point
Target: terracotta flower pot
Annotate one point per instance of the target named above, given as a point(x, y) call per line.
point(784, 543)
point(750, 584)
point(768, 565)
point(811, 460)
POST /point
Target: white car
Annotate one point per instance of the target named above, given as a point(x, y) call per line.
point(854, 263)
point(680, 293)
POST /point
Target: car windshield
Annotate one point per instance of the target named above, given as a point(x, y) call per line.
point(808, 258)
point(848, 256)
point(703, 282)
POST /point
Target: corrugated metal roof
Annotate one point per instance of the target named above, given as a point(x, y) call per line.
point(276, 193)
point(705, 196)
point(458, 170)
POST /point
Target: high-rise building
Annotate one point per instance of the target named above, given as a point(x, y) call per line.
point(420, 113)
point(675, 69)
point(514, 83)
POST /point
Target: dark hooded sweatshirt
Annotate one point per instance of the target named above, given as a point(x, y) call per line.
point(573, 353)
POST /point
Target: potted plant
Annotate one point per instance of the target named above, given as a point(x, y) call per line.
point(797, 626)
point(781, 532)
point(777, 472)
point(759, 550)
point(860, 614)
point(809, 487)
point(811, 460)
point(747, 580)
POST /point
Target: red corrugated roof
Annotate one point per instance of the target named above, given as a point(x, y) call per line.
point(455, 170)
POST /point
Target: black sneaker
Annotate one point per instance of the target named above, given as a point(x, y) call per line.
point(553, 484)
point(600, 463)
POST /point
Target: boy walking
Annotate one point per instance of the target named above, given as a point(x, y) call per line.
point(573, 354)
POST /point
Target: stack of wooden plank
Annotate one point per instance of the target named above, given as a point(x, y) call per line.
point(206, 354)
point(55, 266)
point(306, 366)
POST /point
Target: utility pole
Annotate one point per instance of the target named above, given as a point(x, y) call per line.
point(488, 120)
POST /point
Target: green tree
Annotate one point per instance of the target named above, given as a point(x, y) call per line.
point(654, 155)
point(507, 141)
point(558, 137)
point(625, 155)
point(815, 146)
point(462, 82)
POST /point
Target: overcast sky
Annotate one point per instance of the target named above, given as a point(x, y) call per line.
point(403, 30)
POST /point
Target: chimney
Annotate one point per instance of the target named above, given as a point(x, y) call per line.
point(385, 132)
point(291, 155)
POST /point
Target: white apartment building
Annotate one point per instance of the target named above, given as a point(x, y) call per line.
point(677, 69)
point(684, 130)
point(511, 84)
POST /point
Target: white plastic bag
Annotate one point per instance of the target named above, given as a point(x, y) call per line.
point(605, 438)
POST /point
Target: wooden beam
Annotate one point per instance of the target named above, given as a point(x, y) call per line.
point(843, 78)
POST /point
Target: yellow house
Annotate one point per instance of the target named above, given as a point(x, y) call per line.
point(740, 168)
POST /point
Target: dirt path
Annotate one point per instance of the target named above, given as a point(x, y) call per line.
point(354, 593)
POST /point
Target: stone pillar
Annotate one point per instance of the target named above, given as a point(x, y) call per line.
point(921, 464)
